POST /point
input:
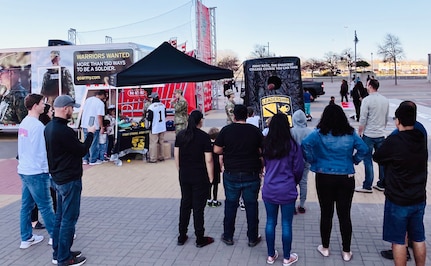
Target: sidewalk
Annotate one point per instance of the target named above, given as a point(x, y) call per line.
point(129, 216)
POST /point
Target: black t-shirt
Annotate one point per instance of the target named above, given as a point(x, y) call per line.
point(241, 145)
point(192, 157)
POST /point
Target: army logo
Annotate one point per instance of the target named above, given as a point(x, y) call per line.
point(273, 104)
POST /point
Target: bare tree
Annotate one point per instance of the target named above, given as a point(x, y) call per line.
point(331, 64)
point(391, 51)
point(229, 62)
point(261, 51)
point(313, 65)
point(347, 60)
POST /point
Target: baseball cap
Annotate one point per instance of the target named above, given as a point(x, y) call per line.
point(54, 54)
point(65, 100)
point(154, 95)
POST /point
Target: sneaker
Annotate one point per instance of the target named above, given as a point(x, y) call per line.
point(38, 225)
point(216, 204)
point(206, 240)
point(50, 241)
point(293, 258)
point(84, 162)
point(75, 261)
point(254, 243)
point(32, 241)
point(209, 203)
point(227, 241)
point(76, 254)
point(363, 190)
point(182, 240)
point(96, 162)
point(379, 188)
point(271, 260)
point(242, 205)
point(301, 209)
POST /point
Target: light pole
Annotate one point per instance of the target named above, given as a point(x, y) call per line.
point(372, 63)
point(356, 40)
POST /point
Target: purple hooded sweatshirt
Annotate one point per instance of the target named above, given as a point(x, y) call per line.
point(282, 176)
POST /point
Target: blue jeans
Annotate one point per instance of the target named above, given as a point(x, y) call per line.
point(93, 153)
point(246, 184)
point(372, 143)
point(286, 225)
point(399, 220)
point(35, 189)
point(102, 151)
point(68, 204)
point(303, 185)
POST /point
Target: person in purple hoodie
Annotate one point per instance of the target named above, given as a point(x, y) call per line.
point(284, 165)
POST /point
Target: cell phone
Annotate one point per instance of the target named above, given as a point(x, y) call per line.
point(91, 121)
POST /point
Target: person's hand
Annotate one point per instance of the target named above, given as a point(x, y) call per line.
point(92, 129)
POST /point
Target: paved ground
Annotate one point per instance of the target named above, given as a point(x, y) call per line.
point(129, 216)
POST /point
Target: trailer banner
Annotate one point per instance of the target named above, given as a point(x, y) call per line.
point(95, 67)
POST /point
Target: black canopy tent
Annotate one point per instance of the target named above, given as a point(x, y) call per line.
point(167, 64)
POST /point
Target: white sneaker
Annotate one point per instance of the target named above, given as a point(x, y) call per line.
point(50, 241)
point(32, 241)
point(96, 162)
point(84, 162)
point(363, 190)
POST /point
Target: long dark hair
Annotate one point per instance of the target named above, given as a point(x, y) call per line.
point(278, 142)
point(192, 123)
point(334, 121)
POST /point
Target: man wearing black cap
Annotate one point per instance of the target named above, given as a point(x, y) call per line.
point(12, 108)
point(405, 157)
point(65, 152)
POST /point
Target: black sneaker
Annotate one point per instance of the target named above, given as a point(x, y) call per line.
point(388, 254)
point(76, 254)
point(182, 240)
point(74, 261)
point(227, 241)
point(206, 240)
point(301, 209)
point(216, 204)
point(254, 243)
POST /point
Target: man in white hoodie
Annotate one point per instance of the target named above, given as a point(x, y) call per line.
point(299, 132)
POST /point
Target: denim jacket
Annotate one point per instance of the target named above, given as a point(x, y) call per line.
point(330, 154)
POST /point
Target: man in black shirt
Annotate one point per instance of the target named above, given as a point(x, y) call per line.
point(65, 152)
point(405, 158)
point(240, 144)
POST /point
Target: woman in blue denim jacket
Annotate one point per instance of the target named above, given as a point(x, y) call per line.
point(332, 149)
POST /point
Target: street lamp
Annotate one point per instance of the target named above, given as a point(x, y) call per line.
point(372, 63)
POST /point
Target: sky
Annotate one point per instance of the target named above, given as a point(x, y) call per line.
point(307, 29)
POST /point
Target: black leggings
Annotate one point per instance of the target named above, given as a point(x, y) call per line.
point(336, 189)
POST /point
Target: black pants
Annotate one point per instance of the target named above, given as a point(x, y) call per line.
point(110, 145)
point(357, 105)
point(344, 96)
point(336, 189)
point(193, 197)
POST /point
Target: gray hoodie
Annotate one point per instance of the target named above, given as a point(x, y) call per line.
point(300, 129)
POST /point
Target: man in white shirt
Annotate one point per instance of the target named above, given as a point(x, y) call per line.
point(93, 106)
point(372, 124)
point(33, 170)
point(157, 119)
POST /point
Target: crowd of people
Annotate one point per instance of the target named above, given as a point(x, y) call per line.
point(278, 162)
